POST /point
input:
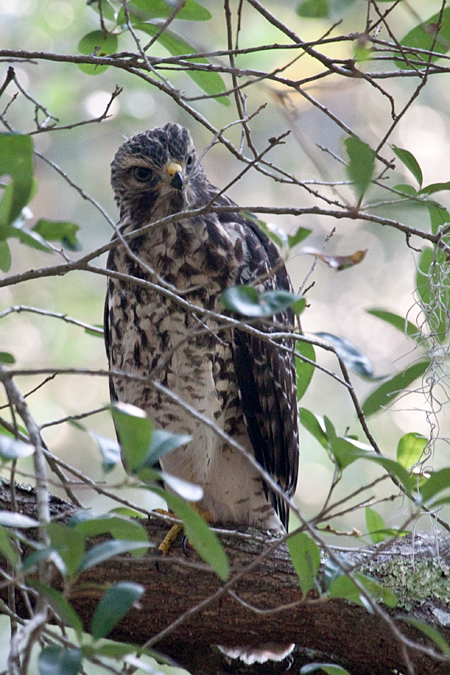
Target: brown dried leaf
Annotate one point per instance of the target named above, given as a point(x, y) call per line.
point(337, 262)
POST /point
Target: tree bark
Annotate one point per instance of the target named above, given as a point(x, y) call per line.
point(180, 588)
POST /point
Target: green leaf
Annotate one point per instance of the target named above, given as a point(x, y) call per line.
point(109, 451)
point(328, 668)
point(375, 525)
point(145, 10)
point(148, 474)
point(438, 481)
point(143, 446)
point(434, 187)
point(312, 424)
point(438, 216)
point(332, 569)
point(211, 83)
point(361, 166)
point(44, 553)
point(16, 160)
point(248, 301)
point(350, 354)
point(90, 524)
point(99, 43)
point(242, 299)
point(62, 607)
point(387, 392)
point(27, 237)
point(5, 357)
point(305, 370)
point(313, 9)
point(275, 234)
point(127, 512)
point(408, 190)
point(344, 587)
point(111, 609)
point(95, 333)
point(11, 519)
point(6, 548)
point(111, 650)
point(399, 322)
point(185, 489)
point(299, 306)
point(344, 452)
point(55, 660)
point(430, 632)
point(410, 162)
point(162, 443)
point(305, 556)
point(299, 236)
point(202, 538)
point(134, 430)
point(61, 231)
point(107, 550)
point(410, 449)
point(69, 544)
point(273, 302)
point(5, 206)
point(424, 37)
point(117, 650)
point(329, 428)
point(5, 257)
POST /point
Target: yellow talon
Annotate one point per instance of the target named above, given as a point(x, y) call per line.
point(170, 537)
point(172, 534)
point(176, 528)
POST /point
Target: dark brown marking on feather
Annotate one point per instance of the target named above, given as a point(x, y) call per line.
point(137, 354)
point(137, 243)
point(182, 242)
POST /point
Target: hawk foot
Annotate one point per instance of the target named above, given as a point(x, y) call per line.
point(166, 544)
point(176, 528)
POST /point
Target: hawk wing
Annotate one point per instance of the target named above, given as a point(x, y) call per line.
point(266, 378)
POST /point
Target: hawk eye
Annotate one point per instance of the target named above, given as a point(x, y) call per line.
point(190, 161)
point(142, 173)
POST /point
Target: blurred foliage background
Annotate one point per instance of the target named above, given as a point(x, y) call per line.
point(337, 301)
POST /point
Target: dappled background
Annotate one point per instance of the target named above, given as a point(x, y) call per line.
point(314, 151)
point(72, 173)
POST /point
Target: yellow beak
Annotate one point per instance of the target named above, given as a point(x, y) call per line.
point(174, 168)
point(175, 173)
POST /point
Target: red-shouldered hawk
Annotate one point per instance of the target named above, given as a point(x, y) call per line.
point(244, 384)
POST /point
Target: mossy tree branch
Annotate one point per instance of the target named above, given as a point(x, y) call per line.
point(186, 609)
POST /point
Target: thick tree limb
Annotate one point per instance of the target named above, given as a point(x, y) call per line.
point(334, 631)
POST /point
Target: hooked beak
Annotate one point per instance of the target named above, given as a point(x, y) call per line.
point(175, 173)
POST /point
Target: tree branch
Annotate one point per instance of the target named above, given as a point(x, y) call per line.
point(262, 603)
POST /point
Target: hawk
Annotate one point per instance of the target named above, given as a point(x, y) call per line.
point(245, 384)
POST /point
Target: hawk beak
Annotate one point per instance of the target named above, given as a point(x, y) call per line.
point(175, 173)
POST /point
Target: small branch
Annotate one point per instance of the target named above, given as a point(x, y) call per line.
point(43, 500)
point(57, 315)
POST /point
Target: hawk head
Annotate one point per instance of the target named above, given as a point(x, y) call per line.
point(157, 172)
